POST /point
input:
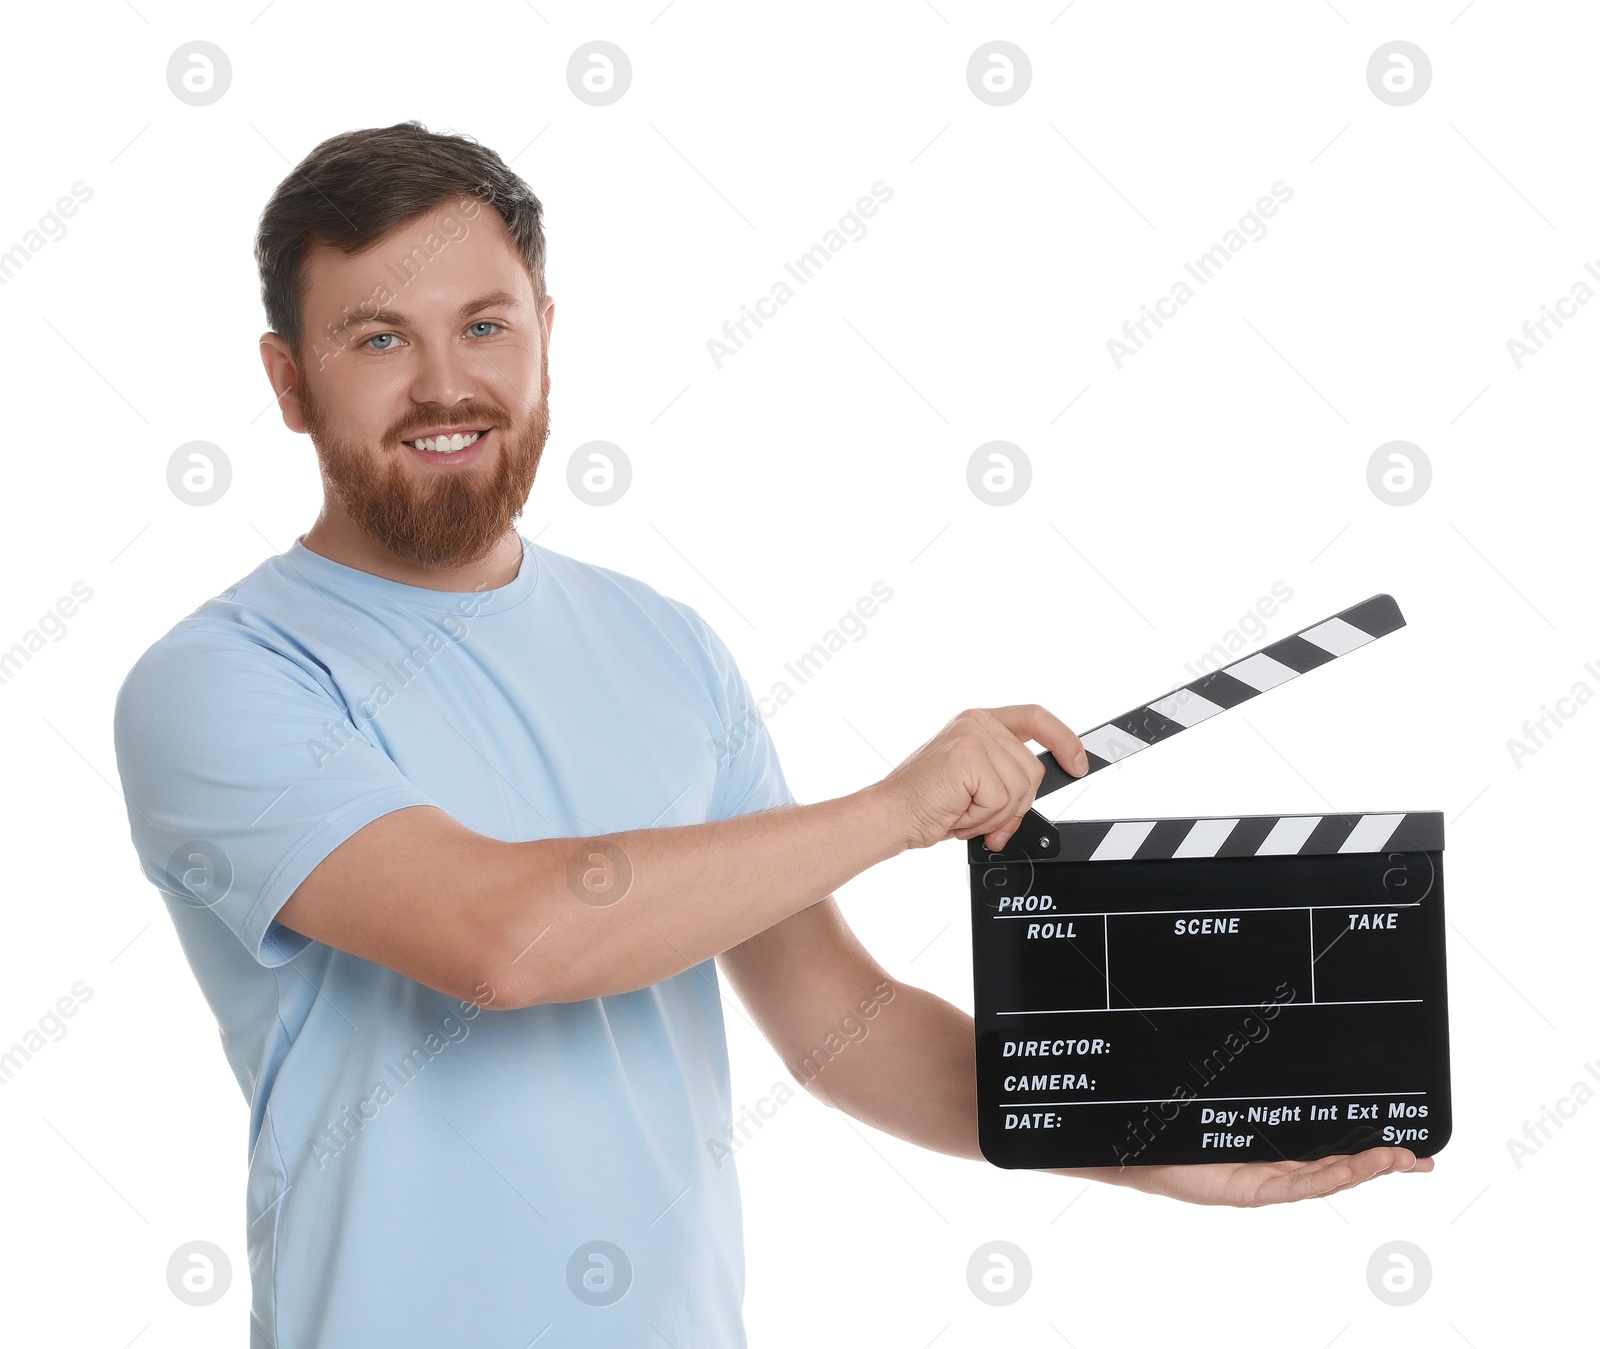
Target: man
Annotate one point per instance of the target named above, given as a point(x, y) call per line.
point(456, 832)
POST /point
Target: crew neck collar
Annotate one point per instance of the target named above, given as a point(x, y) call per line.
point(339, 577)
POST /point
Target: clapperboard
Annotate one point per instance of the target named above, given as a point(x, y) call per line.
point(1254, 988)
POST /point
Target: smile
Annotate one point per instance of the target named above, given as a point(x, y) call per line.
point(451, 444)
point(450, 449)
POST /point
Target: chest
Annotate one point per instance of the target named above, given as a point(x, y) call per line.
point(522, 730)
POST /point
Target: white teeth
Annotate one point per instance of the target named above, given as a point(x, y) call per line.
point(447, 444)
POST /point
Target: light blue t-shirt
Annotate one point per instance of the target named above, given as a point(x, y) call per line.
point(423, 1171)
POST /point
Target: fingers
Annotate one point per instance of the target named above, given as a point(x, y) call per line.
point(1001, 836)
point(1029, 721)
point(1012, 726)
point(1329, 1175)
point(1007, 745)
point(1376, 1162)
point(995, 767)
point(1004, 790)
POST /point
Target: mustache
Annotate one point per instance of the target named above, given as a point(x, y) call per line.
point(473, 414)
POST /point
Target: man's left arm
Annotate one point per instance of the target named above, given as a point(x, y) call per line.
point(902, 1059)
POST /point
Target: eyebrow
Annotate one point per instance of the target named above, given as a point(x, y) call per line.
point(394, 318)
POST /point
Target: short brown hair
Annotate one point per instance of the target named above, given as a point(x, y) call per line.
point(355, 187)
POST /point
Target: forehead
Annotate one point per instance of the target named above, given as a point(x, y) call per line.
point(430, 262)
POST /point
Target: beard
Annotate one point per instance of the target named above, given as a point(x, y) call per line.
point(455, 520)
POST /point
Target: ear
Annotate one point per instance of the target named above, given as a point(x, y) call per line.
point(284, 376)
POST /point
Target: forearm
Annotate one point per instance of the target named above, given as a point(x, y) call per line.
point(911, 1074)
point(918, 1080)
point(512, 924)
point(582, 918)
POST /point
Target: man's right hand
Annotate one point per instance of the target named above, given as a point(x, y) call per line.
point(509, 924)
point(977, 776)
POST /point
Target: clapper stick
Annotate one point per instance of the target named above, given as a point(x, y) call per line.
point(1201, 700)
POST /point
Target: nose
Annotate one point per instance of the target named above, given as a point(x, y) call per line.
point(448, 372)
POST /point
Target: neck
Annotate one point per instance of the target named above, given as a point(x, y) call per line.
point(336, 537)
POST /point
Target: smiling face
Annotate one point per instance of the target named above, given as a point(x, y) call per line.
point(423, 382)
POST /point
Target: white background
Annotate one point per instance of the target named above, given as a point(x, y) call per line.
point(831, 453)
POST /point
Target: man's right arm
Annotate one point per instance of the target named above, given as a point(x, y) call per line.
point(418, 892)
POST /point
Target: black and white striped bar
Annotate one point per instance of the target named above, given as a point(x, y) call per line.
point(1202, 699)
point(1250, 836)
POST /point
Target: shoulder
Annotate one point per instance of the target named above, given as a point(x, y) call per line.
point(237, 639)
point(616, 595)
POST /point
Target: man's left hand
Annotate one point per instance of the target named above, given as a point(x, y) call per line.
point(1254, 1184)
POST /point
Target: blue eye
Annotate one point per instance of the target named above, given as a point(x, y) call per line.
point(483, 323)
point(378, 337)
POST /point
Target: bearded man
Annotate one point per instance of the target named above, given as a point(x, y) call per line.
point(461, 834)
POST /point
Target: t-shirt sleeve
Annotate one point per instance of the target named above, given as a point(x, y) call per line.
point(749, 776)
point(241, 772)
